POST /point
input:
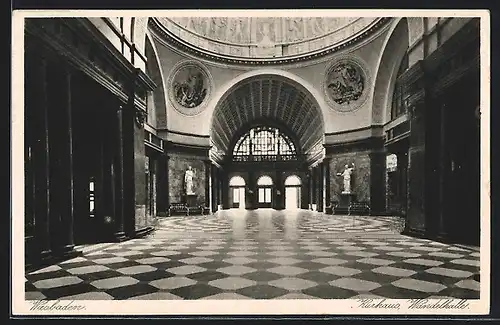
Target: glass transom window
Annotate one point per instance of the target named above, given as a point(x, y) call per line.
point(264, 141)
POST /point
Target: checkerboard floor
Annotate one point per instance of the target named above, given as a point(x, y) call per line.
point(265, 254)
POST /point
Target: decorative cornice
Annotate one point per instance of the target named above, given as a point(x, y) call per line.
point(187, 134)
point(366, 144)
point(160, 30)
point(87, 49)
point(181, 148)
point(351, 131)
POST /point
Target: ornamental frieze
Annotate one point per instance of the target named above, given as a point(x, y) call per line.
point(266, 37)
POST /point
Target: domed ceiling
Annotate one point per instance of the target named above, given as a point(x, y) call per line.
point(264, 39)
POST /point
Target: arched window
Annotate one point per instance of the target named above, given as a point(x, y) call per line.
point(264, 184)
point(264, 143)
point(292, 180)
point(237, 181)
point(265, 181)
point(398, 106)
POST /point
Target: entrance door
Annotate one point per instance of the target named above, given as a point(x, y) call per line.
point(237, 189)
point(265, 191)
point(292, 192)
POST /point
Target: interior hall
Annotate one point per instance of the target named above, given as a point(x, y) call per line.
point(258, 157)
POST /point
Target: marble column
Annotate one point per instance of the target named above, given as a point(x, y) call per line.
point(119, 177)
point(162, 190)
point(251, 195)
point(321, 185)
point(138, 220)
point(214, 187)
point(377, 181)
point(208, 182)
point(36, 104)
point(326, 166)
point(61, 163)
point(225, 190)
point(279, 203)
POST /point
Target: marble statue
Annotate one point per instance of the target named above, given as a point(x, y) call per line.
point(346, 174)
point(188, 180)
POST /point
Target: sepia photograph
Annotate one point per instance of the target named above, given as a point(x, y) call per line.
point(250, 162)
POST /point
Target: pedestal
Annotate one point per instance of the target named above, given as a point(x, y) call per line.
point(191, 200)
point(345, 201)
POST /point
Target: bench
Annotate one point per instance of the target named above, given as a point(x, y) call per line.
point(361, 208)
point(177, 209)
point(183, 209)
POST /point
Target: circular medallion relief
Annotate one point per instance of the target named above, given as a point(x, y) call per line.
point(190, 85)
point(345, 85)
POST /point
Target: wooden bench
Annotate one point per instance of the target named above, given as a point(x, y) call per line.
point(183, 209)
point(177, 209)
point(361, 208)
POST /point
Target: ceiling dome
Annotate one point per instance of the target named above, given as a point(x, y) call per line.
point(265, 38)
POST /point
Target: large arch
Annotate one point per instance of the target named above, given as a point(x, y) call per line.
point(156, 73)
point(270, 95)
point(393, 52)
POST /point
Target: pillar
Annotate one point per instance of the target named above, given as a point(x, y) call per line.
point(36, 105)
point(162, 190)
point(208, 182)
point(214, 188)
point(138, 220)
point(280, 191)
point(377, 182)
point(61, 163)
point(225, 189)
point(252, 194)
point(326, 166)
point(443, 171)
point(119, 177)
point(321, 184)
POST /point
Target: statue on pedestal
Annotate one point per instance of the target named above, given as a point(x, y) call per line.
point(347, 178)
point(188, 180)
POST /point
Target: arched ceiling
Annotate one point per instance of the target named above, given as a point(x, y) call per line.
point(267, 98)
point(264, 40)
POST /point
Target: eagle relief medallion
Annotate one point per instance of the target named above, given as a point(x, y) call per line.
point(345, 85)
point(190, 85)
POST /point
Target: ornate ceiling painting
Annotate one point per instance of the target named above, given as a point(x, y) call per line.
point(190, 85)
point(265, 40)
point(345, 84)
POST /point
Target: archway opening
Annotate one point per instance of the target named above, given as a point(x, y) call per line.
point(267, 124)
point(237, 192)
point(265, 191)
point(292, 192)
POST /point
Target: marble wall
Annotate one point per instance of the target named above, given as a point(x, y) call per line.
point(177, 165)
point(361, 180)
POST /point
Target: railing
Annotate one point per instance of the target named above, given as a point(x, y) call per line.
point(153, 140)
point(125, 42)
point(264, 158)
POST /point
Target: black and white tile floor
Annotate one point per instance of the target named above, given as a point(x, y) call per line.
point(265, 254)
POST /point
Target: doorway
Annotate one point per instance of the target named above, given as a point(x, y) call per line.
point(292, 192)
point(237, 189)
point(264, 191)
